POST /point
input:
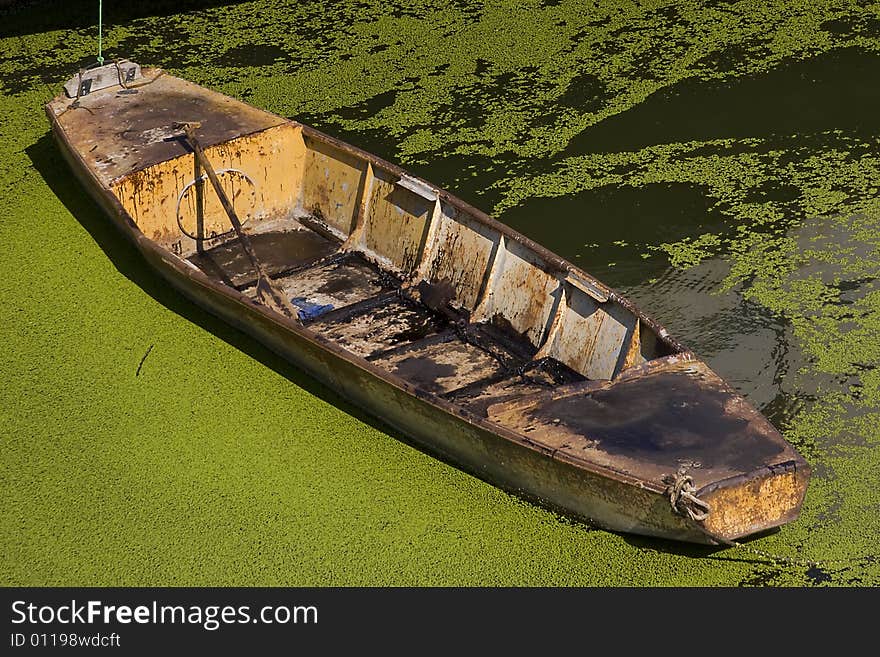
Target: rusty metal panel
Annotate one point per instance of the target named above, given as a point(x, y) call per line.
point(263, 178)
point(592, 336)
point(396, 222)
point(333, 285)
point(441, 365)
point(649, 345)
point(460, 253)
point(520, 292)
point(578, 327)
point(276, 251)
point(332, 184)
point(478, 400)
point(611, 340)
point(644, 345)
point(631, 354)
point(386, 326)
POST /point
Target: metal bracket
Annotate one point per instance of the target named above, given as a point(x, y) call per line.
point(595, 290)
point(418, 187)
point(118, 73)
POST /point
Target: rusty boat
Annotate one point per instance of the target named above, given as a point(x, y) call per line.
point(478, 344)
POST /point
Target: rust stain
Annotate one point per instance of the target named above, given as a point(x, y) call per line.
point(396, 222)
point(456, 242)
point(331, 181)
point(747, 505)
point(522, 292)
point(150, 195)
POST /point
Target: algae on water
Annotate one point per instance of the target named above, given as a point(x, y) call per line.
point(690, 152)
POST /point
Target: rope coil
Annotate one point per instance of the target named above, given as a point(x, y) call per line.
point(682, 498)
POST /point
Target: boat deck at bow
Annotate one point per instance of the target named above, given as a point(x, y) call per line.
point(470, 338)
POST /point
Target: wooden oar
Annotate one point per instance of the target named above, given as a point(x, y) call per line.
point(267, 293)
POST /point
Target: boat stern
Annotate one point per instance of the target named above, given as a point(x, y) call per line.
point(756, 502)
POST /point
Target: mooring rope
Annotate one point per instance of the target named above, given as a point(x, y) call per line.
point(777, 558)
point(681, 492)
point(790, 561)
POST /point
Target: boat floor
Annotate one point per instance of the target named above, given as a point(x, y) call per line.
point(277, 251)
point(674, 413)
point(366, 310)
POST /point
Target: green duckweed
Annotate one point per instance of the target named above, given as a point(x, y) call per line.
point(219, 464)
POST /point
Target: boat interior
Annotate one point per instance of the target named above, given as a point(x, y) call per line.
point(378, 263)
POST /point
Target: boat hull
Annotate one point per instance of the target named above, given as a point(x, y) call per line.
point(542, 466)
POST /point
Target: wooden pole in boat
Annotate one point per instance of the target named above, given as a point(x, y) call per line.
point(267, 293)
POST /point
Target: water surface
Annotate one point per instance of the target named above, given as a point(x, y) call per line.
point(717, 162)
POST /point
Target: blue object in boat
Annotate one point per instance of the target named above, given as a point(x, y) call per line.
point(308, 310)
